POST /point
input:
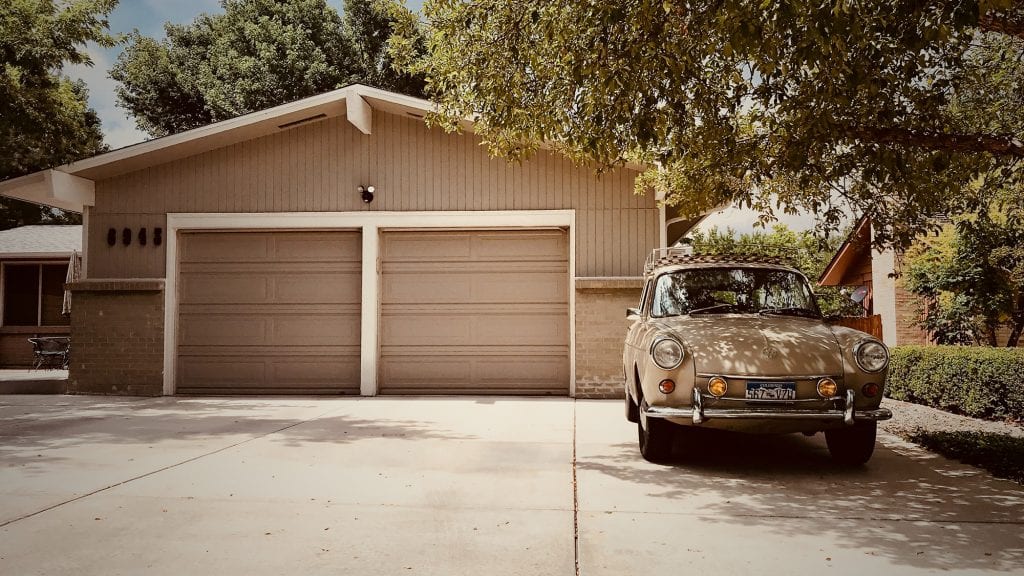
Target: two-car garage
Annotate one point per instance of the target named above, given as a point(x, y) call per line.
point(457, 311)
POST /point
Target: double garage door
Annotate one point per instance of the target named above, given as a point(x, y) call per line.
point(483, 311)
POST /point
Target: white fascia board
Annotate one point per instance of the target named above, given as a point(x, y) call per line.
point(52, 188)
point(35, 255)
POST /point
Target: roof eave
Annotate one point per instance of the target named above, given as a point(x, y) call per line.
point(52, 188)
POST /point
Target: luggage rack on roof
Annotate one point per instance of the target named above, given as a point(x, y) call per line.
point(685, 255)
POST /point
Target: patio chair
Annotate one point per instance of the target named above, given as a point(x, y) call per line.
point(51, 352)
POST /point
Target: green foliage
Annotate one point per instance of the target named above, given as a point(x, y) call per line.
point(1000, 454)
point(45, 119)
point(821, 107)
point(809, 253)
point(972, 278)
point(982, 382)
point(255, 55)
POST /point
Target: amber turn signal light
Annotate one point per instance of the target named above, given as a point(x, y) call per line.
point(717, 386)
point(667, 386)
point(827, 388)
point(870, 390)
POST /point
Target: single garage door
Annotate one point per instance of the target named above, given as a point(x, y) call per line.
point(269, 312)
point(479, 312)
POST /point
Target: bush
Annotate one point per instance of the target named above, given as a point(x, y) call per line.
point(976, 381)
point(1000, 454)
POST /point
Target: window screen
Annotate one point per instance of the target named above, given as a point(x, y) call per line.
point(53, 295)
point(21, 294)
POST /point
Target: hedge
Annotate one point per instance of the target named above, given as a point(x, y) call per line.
point(976, 381)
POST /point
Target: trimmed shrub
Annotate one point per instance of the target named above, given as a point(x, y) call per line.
point(975, 381)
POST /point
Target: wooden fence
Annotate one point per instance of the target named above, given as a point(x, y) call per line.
point(870, 324)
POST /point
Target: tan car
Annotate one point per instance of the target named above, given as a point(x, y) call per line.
point(738, 344)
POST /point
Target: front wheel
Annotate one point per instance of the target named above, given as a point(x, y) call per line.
point(853, 445)
point(655, 437)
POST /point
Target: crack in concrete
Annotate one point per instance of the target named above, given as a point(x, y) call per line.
point(575, 498)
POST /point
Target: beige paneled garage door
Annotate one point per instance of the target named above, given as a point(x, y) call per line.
point(483, 312)
point(269, 312)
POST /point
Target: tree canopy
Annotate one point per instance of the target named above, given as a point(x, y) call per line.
point(255, 55)
point(45, 119)
point(971, 277)
point(881, 107)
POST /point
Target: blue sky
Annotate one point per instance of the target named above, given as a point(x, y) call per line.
point(149, 16)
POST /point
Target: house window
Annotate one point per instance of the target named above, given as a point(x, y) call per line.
point(34, 294)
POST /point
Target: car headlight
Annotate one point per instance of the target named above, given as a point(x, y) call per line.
point(871, 356)
point(667, 353)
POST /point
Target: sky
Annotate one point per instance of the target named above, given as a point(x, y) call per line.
point(149, 16)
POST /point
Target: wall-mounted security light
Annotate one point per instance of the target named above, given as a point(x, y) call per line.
point(366, 192)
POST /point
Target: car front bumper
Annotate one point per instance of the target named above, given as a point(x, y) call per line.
point(698, 413)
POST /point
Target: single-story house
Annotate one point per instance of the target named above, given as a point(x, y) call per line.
point(33, 269)
point(338, 244)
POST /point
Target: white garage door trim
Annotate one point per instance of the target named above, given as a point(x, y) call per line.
point(370, 223)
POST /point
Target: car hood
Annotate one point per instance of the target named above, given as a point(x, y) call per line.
point(733, 344)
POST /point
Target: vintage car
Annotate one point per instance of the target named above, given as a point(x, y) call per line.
point(739, 344)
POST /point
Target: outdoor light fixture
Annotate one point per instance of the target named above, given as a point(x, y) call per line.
point(366, 192)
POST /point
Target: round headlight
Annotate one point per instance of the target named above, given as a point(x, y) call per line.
point(872, 356)
point(667, 353)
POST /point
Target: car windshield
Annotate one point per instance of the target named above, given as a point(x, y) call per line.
point(733, 291)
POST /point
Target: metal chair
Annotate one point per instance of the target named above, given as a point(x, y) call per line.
point(51, 352)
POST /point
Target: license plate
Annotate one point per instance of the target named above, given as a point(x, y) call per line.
point(771, 390)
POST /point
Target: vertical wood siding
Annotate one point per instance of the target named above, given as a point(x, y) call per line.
point(317, 167)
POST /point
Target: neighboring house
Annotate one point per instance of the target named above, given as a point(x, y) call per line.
point(251, 256)
point(33, 268)
point(874, 276)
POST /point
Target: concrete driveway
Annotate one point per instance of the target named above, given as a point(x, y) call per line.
point(464, 486)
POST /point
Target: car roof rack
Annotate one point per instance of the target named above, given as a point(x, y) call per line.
point(686, 255)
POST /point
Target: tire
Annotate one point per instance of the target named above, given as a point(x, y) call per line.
point(655, 438)
point(632, 410)
point(853, 445)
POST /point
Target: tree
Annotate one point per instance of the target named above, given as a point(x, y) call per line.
point(822, 107)
point(971, 278)
point(255, 55)
point(808, 253)
point(45, 119)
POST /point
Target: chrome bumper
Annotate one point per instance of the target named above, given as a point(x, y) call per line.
point(698, 413)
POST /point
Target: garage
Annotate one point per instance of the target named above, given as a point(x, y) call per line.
point(269, 312)
point(474, 311)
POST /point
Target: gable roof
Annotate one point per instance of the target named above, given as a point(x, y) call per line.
point(46, 240)
point(72, 186)
point(855, 245)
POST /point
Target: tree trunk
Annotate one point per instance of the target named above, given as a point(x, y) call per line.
point(1017, 323)
point(990, 333)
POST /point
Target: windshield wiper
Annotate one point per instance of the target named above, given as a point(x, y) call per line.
point(707, 309)
point(790, 311)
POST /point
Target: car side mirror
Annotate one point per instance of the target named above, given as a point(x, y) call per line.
point(632, 313)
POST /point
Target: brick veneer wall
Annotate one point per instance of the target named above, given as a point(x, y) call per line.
point(600, 332)
point(907, 314)
point(117, 329)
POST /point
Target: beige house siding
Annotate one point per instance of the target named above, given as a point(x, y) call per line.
point(317, 167)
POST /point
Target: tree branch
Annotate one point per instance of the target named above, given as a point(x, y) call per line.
point(996, 145)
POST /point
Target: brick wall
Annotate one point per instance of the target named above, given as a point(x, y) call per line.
point(600, 332)
point(117, 340)
point(907, 313)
